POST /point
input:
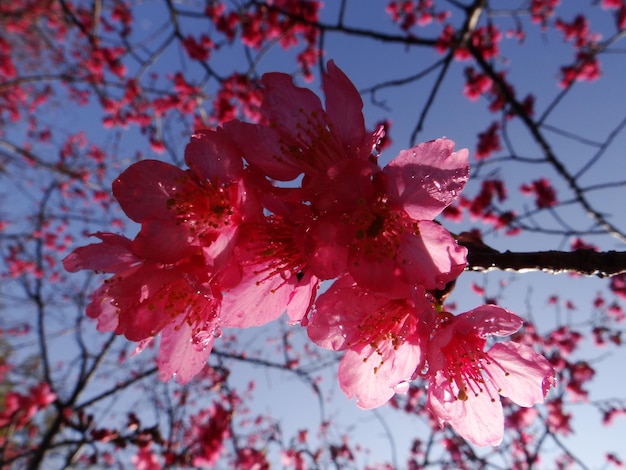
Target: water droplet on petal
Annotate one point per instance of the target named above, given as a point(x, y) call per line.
point(285, 274)
point(401, 388)
point(201, 340)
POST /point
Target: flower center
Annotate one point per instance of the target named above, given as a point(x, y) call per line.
point(468, 367)
point(387, 328)
point(270, 246)
point(202, 208)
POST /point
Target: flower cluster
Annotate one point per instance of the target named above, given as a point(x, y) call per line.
point(267, 211)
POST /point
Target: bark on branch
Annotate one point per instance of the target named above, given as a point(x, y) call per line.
point(588, 262)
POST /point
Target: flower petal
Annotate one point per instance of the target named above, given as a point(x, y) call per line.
point(178, 356)
point(520, 373)
point(431, 258)
point(371, 375)
point(425, 179)
point(144, 189)
point(113, 255)
point(261, 146)
point(344, 107)
point(479, 418)
point(214, 156)
point(287, 106)
point(488, 320)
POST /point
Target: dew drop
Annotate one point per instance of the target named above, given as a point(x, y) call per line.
point(285, 274)
point(402, 387)
point(201, 340)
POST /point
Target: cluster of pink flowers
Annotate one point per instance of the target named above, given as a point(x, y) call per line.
point(267, 211)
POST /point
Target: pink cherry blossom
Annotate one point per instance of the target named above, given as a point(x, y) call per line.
point(273, 275)
point(178, 210)
point(210, 428)
point(465, 380)
point(297, 135)
point(146, 297)
point(145, 459)
point(377, 224)
point(384, 339)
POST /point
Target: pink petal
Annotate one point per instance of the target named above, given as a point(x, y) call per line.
point(343, 187)
point(214, 156)
point(102, 309)
point(344, 107)
point(111, 256)
point(520, 373)
point(217, 254)
point(261, 146)
point(427, 178)
point(380, 275)
point(488, 320)
point(144, 189)
point(432, 258)
point(478, 419)
point(151, 299)
point(339, 313)
point(287, 106)
point(325, 248)
point(178, 356)
point(302, 297)
point(259, 299)
point(165, 241)
point(371, 376)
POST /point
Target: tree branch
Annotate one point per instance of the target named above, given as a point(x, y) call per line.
point(587, 262)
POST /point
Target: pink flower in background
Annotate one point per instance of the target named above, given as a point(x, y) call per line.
point(210, 428)
point(618, 285)
point(545, 194)
point(465, 381)
point(384, 339)
point(145, 459)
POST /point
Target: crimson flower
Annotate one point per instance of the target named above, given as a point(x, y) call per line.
point(168, 279)
point(465, 380)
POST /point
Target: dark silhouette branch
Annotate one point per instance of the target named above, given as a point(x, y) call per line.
point(587, 262)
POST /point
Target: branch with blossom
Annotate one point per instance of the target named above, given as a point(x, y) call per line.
point(222, 245)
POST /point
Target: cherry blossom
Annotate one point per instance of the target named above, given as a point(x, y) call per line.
point(545, 194)
point(145, 297)
point(465, 380)
point(297, 135)
point(384, 339)
point(273, 275)
point(374, 223)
